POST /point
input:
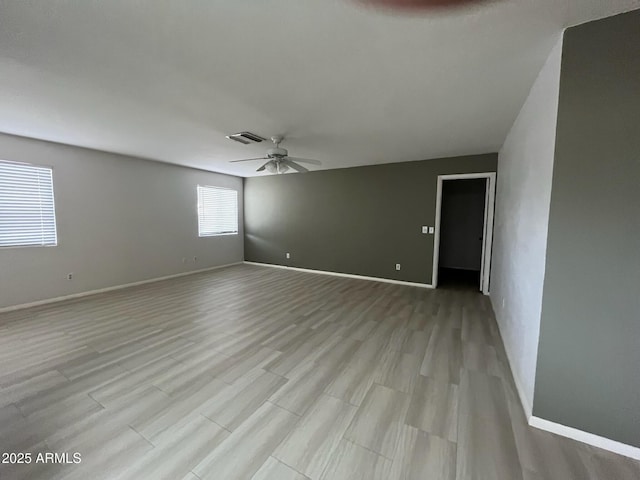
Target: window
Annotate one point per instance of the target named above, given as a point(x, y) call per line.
point(27, 212)
point(217, 211)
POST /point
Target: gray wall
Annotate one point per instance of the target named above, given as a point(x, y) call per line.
point(588, 374)
point(120, 220)
point(360, 220)
point(462, 224)
point(525, 166)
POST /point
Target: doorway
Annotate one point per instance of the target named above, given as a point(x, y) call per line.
point(463, 234)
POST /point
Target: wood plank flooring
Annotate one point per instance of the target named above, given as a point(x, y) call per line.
point(257, 373)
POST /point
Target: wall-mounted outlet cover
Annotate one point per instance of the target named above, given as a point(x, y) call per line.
point(288, 255)
point(425, 229)
point(397, 266)
point(431, 230)
point(70, 276)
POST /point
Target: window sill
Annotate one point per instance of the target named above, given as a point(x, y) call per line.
point(218, 235)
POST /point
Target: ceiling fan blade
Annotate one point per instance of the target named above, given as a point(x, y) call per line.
point(305, 160)
point(295, 166)
point(248, 159)
point(261, 169)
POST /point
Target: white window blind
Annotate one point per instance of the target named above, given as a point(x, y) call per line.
point(217, 211)
point(27, 211)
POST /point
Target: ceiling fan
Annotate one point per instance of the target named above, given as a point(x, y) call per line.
point(279, 160)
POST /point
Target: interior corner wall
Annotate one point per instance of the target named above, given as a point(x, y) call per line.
point(359, 221)
point(525, 165)
point(588, 374)
point(119, 219)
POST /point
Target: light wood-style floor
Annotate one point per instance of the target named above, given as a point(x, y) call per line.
point(257, 373)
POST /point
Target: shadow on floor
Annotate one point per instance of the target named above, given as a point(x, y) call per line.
point(456, 279)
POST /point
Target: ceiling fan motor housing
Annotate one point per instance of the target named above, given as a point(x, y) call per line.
point(277, 152)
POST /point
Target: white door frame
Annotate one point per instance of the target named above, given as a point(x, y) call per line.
point(487, 237)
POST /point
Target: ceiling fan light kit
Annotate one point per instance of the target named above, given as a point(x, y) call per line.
point(276, 167)
point(278, 159)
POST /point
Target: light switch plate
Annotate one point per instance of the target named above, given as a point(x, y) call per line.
point(425, 229)
point(431, 230)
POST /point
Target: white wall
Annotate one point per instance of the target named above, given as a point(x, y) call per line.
point(120, 220)
point(525, 168)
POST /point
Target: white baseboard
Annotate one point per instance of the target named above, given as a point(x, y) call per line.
point(526, 405)
point(585, 437)
point(345, 275)
point(524, 401)
point(109, 289)
point(569, 432)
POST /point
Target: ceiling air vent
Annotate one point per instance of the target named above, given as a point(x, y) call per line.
point(246, 138)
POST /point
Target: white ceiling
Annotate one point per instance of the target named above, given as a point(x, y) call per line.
point(348, 85)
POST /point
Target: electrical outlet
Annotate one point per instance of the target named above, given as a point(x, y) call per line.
point(70, 276)
point(431, 230)
point(195, 259)
point(425, 229)
point(397, 266)
point(288, 255)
